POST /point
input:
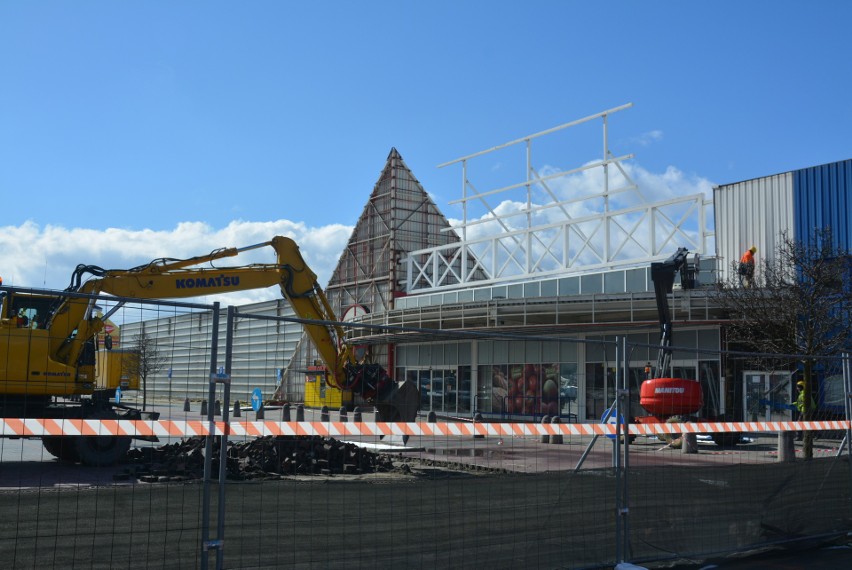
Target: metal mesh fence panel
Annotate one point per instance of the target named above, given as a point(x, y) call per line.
point(508, 488)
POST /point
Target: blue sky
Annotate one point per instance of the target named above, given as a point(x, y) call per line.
point(202, 121)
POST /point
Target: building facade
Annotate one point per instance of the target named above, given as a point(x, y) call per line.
point(515, 312)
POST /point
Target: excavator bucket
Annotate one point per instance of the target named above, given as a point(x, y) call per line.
point(401, 405)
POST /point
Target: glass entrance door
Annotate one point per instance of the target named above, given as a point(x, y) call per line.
point(767, 396)
point(600, 389)
point(439, 390)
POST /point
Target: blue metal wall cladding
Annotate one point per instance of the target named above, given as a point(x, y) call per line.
point(822, 197)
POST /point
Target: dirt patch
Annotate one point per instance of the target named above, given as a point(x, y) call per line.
point(261, 458)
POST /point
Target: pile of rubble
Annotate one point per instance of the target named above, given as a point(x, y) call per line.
point(261, 458)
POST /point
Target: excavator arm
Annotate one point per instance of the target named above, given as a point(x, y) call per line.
point(65, 352)
point(75, 322)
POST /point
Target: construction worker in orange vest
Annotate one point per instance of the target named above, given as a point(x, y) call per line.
point(746, 269)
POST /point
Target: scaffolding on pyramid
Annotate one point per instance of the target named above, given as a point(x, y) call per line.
point(398, 218)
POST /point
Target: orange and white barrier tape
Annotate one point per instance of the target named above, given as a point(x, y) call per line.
point(30, 427)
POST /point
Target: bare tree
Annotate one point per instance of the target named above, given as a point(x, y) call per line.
point(800, 304)
point(147, 361)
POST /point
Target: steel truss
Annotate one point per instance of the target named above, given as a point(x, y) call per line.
point(544, 235)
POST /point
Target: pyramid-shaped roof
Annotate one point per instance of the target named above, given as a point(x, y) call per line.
point(398, 218)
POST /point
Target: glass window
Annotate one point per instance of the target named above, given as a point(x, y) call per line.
point(484, 353)
point(569, 286)
point(642, 353)
point(464, 390)
point(483, 389)
point(614, 282)
point(501, 352)
point(548, 392)
point(437, 354)
point(464, 353)
point(550, 351)
point(517, 351)
point(637, 376)
point(425, 378)
point(549, 288)
point(499, 379)
point(590, 284)
point(482, 294)
point(532, 289)
point(568, 351)
point(404, 355)
point(708, 375)
point(601, 351)
point(686, 339)
point(684, 372)
point(568, 390)
point(451, 391)
point(636, 280)
point(600, 389)
point(515, 403)
point(451, 354)
point(708, 339)
point(532, 351)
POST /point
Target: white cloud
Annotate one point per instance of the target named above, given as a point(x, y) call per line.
point(647, 139)
point(34, 256)
point(580, 188)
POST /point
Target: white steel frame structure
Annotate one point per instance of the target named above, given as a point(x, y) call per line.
point(618, 226)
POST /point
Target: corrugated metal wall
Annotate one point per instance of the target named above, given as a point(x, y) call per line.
point(754, 212)
point(823, 198)
point(261, 347)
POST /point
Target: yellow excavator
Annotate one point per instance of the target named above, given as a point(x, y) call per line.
point(48, 341)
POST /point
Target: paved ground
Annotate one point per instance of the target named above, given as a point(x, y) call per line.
point(805, 557)
point(499, 506)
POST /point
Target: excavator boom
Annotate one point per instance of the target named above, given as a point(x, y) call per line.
point(56, 357)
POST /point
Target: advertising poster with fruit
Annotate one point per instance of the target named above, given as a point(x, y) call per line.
point(540, 389)
point(549, 390)
point(499, 388)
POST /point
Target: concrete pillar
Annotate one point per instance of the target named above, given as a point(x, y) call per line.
point(300, 413)
point(261, 413)
point(545, 438)
point(689, 443)
point(285, 413)
point(477, 419)
point(343, 417)
point(237, 411)
point(556, 438)
point(356, 415)
point(786, 446)
point(324, 414)
point(203, 407)
point(186, 406)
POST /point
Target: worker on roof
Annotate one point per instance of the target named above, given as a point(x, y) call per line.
point(746, 267)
